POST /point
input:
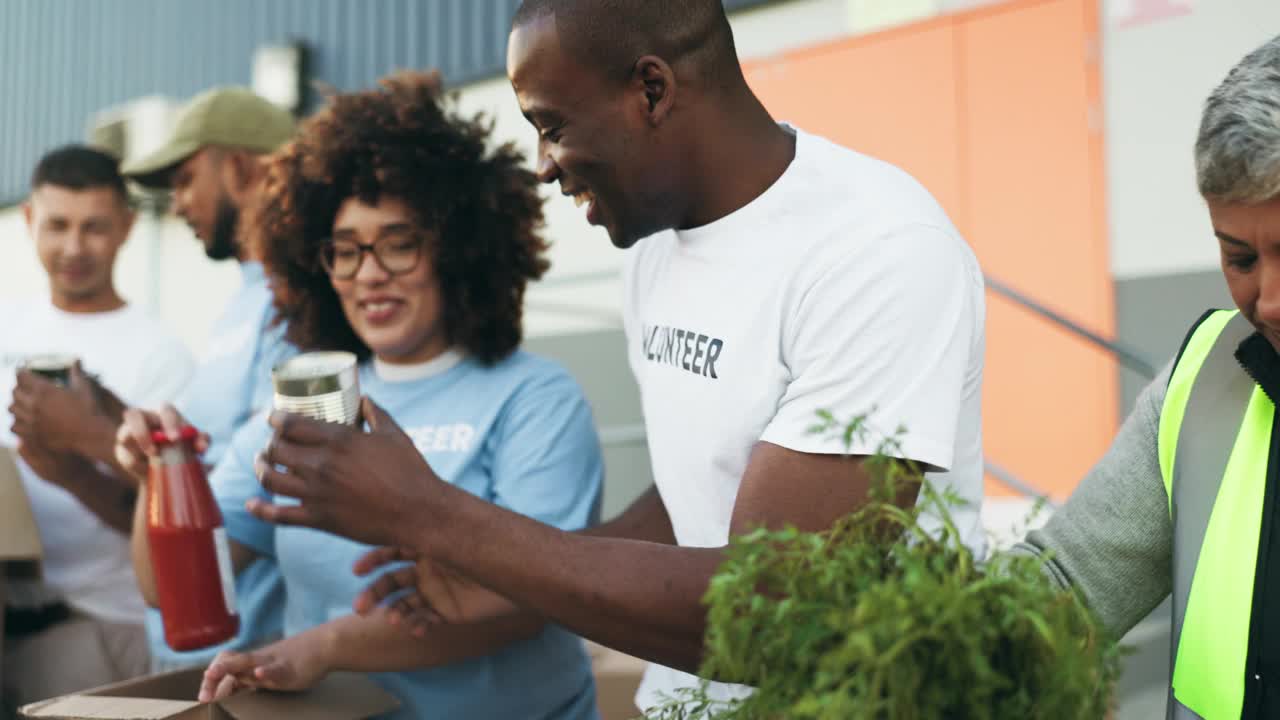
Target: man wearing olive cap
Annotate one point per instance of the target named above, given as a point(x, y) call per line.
point(212, 165)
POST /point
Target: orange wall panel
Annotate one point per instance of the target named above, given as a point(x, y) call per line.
point(991, 109)
point(1029, 166)
point(891, 96)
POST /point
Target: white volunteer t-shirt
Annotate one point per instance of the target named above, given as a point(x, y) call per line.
point(844, 287)
point(86, 563)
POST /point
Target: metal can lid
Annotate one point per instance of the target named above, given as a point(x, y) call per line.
point(316, 373)
point(49, 361)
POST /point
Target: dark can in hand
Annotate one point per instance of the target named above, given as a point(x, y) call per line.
point(54, 367)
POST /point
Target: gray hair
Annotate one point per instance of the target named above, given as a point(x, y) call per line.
point(1238, 150)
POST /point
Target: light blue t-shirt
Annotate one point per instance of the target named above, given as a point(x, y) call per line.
point(518, 434)
point(233, 380)
point(231, 385)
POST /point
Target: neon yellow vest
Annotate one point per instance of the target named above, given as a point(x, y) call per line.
point(1214, 444)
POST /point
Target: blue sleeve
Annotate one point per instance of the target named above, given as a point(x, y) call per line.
point(547, 460)
point(273, 349)
point(234, 482)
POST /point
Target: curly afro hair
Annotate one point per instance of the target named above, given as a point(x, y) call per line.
point(402, 140)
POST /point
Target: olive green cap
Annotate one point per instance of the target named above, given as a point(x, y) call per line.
point(230, 117)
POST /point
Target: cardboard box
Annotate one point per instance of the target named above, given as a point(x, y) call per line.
point(19, 536)
point(617, 679)
point(2, 600)
point(169, 696)
point(20, 549)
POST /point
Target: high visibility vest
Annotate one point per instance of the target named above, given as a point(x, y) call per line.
point(1214, 445)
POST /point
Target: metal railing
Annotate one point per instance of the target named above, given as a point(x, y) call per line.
point(634, 434)
point(1127, 356)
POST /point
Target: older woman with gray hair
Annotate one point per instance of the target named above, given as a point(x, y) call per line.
point(1185, 501)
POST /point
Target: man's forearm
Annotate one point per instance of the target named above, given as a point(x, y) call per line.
point(103, 495)
point(97, 443)
point(643, 598)
point(371, 644)
point(645, 519)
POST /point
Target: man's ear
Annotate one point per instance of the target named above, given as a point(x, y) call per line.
point(658, 81)
point(239, 174)
point(130, 217)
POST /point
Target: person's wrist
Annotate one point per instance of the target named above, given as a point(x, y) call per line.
point(326, 650)
point(98, 442)
point(70, 478)
point(447, 514)
point(417, 536)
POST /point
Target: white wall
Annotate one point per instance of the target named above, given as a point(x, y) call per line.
point(1156, 78)
point(577, 248)
point(1161, 58)
point(20, 272)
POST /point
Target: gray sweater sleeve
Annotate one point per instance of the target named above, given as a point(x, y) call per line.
point(1113, 540)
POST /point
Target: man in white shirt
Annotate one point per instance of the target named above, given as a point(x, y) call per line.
point(773, 275)
point(81, 625)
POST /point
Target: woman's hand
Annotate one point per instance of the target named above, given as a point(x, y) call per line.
point(295, 663)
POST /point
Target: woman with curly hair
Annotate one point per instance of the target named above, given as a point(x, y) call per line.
point(390, 231)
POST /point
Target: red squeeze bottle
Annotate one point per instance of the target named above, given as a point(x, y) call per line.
point(189, 554)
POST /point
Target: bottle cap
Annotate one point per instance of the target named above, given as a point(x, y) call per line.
point(186, 434)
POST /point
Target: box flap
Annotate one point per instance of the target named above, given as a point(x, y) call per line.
point(19, 537)
point(168, 696)
point(83, 707)
point(340, 696)
point(171, 696)
point(617, 679)
point(175, 685)
point(607, 661)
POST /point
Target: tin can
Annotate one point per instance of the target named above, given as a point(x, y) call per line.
point(55, 367)
point(321, 385)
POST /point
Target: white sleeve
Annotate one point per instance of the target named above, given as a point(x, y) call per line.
point(630, 333)
point(886, 332)
point(165, 373)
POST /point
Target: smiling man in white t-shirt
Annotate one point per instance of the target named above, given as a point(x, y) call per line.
point(82, 625)
point(771, 274)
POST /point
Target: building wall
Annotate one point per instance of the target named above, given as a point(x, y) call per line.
point(68, 59)
point(1158, 72)
point(986, 130)
point(1158, 76)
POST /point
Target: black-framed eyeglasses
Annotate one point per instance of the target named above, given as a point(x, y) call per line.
point(396, 254)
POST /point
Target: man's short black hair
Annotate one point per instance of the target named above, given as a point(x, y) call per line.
point(79, 167)
point(612, 34)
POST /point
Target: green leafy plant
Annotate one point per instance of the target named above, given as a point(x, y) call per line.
point(886, 617)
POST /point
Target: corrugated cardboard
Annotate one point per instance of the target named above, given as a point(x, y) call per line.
point(168, 696)
point(2, 605)
point(19, 537)
point(617, 679)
